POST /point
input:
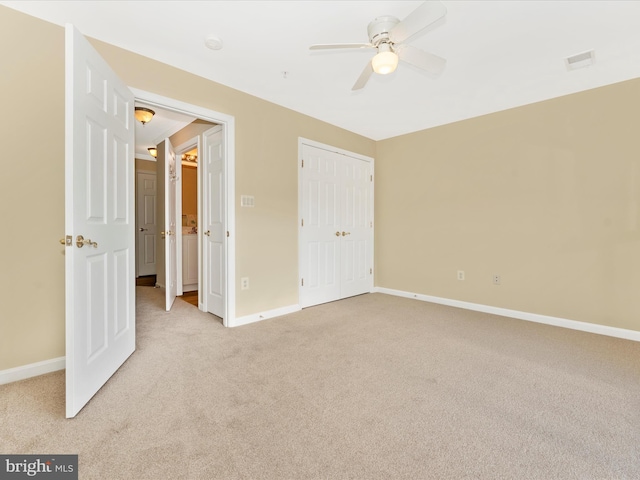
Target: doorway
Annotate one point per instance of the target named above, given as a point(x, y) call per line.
point(227, 133)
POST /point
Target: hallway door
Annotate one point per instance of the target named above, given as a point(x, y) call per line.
point(213, 231)
point(146, 191)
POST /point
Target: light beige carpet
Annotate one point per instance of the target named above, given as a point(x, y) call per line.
point(372, 387)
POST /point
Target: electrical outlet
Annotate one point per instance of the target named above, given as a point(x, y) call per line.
point(244, 283)
point(460, 274)
point(496, 279)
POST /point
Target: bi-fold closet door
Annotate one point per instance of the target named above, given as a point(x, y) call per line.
point(336, 225)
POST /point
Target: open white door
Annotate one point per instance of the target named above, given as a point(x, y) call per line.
point(214, 235)
point(170, 229)
point(99, 221)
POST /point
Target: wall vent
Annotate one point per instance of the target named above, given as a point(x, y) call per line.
point(584, 59)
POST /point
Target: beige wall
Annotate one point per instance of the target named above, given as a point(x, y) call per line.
point(32, 207)
point(189, 190)
point(546, 195)
point(32, 274)
point(194, 129)
point(145, 165)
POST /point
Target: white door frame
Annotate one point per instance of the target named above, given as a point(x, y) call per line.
point(228, 125)
point(305, 141)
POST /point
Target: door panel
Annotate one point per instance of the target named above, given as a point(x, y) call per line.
point(320, 252)
point(214, 234)
point(99, 206)
point(356, 243)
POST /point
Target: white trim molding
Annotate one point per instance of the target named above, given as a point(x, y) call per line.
point(517, 314)
point(257, 317)
point(31, 370)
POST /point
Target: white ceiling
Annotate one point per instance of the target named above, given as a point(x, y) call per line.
point(501, 54)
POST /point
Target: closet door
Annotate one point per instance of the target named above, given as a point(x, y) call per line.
point(336, 230)
point(320, 226)
point(355, 228)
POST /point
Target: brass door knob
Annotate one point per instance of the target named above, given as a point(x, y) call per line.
point(337, 234)
point(81, 242)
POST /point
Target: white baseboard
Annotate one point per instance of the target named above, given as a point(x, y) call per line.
point(257, 317)
point(32, 370)
point(530, 317)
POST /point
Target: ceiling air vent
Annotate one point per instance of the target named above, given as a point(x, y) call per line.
point(580, 60)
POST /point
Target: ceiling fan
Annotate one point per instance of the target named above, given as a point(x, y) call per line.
point(387, 35)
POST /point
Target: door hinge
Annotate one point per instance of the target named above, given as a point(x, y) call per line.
point(371, 224)
point(302, 283)
point(371, 271)
point(302, 222)
point(371, 177)
point(227, 233)
point(303, 163)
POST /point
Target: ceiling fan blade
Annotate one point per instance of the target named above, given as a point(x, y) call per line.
point(423, 16)
point(430, 63)
point(364, 77)
point(340, 45)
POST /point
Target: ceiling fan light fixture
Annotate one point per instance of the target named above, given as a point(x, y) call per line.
point(143, 115)
point(385, 61)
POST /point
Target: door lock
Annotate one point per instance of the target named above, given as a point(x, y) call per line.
point(81, 242)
